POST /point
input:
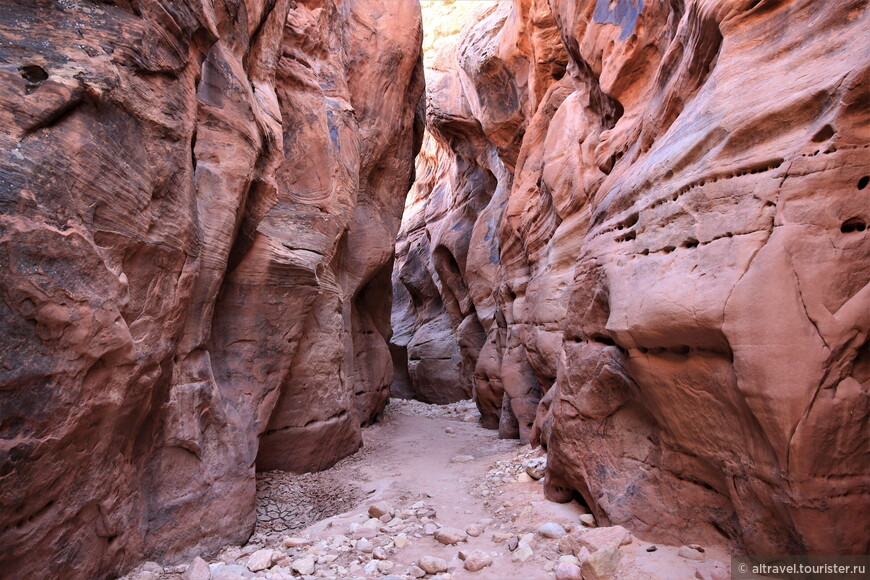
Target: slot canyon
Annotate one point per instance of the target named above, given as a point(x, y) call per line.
point(497, 289)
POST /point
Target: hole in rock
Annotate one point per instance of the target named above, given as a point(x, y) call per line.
point(853, 225)
point(823, 134)
point(33, 74)
point(862, 183)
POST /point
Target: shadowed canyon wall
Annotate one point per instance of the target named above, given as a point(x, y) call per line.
point(639, 235)
point(197, 205)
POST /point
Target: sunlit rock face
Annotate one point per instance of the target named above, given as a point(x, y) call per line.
point(197, 202)
point(671, 254)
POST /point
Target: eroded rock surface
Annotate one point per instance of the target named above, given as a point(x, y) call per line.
point(660, 226)
point(198, 201)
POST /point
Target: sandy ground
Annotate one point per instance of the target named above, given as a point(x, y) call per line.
point(433, 468)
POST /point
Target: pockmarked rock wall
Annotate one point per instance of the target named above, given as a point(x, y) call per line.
point(197, 202)
point(669, 256)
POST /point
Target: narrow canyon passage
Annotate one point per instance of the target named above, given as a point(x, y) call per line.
point(627, 239)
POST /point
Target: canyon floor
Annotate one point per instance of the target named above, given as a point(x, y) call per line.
point(450, 500)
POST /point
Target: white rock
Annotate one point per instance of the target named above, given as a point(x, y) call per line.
point(260, 560)
point(416, 572)
point(522, 554)
point(601, 564)
point(432, 564)
point(588, 520)
point(477, 560)
point(364, 546)
point(379, 509)
point(527, 539)
point(450, 536)
point(551, 530)
point(303, 566)
point(474, 530)
point(430, 529)
point(568, 571)
point(384, 566)
point(293, 542)
point(379, 553)
point(198, 570)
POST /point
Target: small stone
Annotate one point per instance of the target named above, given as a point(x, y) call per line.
point(430, 529)
point(384, 566)
point(152, 567)
point(588, 520)
point(462, 458)
point(474, 530)
point(376, 510)
point(379, 553)
point(364, 546)
point(570, 559)
point(522, 554)
point(525, 478)
point(691, 554)
point(526, 539)
point(432, 564)
point(536, 468)
point(293, 542)
point(501, 537)
point(477, 560)
point(462, 555)
point(416, 572)
point(260, 560)
point(651, 549)
point(401, 541)
point(597, 538)
point(385, 518)
point(470, 418)
point(513, 542)
point(601, 564)
point(454, 564)
point(568, 571)
point(551, 530)
point(303, 566)
point(450, 536)
point(450, 430)
point(371, 568)
point(229, 572)
point(198, 570)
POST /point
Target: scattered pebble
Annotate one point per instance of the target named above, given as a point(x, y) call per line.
point(477, 560)
point(522, 554)
point(260, 560)
point(551, 530)
point(450, 536)
point(432, 564)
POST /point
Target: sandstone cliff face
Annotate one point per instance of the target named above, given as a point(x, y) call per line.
point(667, 247)
point(198, 199)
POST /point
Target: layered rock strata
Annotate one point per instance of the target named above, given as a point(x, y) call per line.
point(667, 250)
point(197, 202)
